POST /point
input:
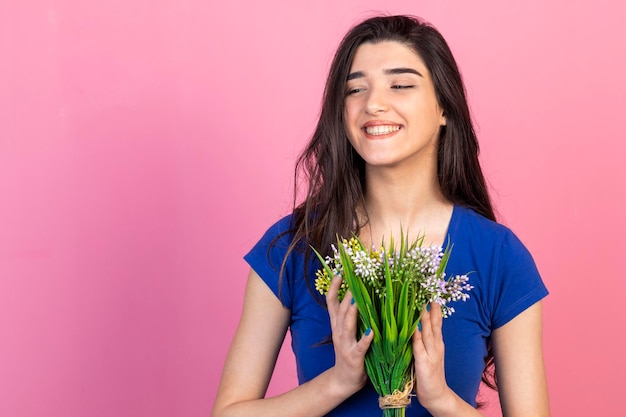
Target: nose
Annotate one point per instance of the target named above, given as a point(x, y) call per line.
point(376, 101)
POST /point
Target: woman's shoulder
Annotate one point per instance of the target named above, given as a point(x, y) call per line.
point(484, 231)
point(474, 219)
point(506, 278)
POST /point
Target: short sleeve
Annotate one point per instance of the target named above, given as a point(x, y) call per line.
point(266, 259)
point(518, 284)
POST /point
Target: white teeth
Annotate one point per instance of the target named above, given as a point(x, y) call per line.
point(381, 130)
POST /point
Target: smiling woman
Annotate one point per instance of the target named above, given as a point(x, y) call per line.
point(394, 150)
point(391, 96)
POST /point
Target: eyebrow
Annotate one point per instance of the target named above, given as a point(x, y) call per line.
point(391, 71)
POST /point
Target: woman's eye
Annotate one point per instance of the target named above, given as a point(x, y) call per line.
point(353, 91)
point(401, 87)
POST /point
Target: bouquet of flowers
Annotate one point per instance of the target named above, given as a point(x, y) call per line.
point(391, 287)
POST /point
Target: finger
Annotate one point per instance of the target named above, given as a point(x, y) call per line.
point(332, 299)
point(436, 320)
point(418, 343)
point(351, 313)
point(431, 335)
point(427, 330)
point(364, 343)
point(345, 323)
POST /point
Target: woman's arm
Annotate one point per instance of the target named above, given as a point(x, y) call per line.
point(519, 366)
point(252, 356)
point(518, 354)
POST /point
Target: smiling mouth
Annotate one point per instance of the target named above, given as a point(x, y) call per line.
point(381, 130)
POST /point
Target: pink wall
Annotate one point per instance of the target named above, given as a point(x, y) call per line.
point(145, 145)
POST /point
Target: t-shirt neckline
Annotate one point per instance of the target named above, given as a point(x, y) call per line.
point(452, 226)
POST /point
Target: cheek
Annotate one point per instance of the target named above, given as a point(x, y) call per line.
point(352, 107)
point(350, 119)
point(349, 134)
point(347, 114)
point(350, 131)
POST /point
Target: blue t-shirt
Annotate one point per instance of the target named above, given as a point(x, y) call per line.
point(502, 271)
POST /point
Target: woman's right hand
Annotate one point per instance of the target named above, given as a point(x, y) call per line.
point(253, 352)
point(349, 373)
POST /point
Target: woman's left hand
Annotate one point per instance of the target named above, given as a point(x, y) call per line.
point(431, 387)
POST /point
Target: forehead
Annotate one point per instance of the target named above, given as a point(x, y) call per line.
point(370, 57)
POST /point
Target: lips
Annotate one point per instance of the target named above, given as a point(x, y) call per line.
point(381, 130)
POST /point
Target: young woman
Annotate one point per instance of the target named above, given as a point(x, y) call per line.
point(394, 147)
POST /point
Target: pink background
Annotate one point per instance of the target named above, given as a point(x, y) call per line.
point(145, 145)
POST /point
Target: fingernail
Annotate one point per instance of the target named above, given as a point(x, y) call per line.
point(352, 301)
point(368, 331)
point(419, 326)
point(428, 307)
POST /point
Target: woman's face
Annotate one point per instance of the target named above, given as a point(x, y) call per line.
point(391, 112)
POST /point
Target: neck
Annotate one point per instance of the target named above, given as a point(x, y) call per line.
point(407, 200)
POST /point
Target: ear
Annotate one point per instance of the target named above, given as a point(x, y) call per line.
point(442, 119)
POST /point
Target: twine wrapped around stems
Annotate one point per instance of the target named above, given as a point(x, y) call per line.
point(397, 399)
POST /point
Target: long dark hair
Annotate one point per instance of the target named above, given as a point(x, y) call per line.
point(335, 173)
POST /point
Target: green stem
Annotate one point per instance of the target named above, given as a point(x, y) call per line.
point(394, 412)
